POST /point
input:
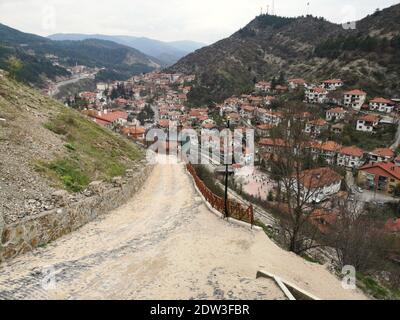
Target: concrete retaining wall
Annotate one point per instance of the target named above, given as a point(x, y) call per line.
point(29, 233)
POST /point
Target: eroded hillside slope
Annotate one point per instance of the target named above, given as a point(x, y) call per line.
point(45, 147)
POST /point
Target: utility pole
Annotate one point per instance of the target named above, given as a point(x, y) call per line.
point(227, 175)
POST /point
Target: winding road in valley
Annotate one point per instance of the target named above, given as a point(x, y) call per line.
point(164, 243)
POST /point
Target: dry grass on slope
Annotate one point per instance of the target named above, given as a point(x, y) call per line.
point(45, 146)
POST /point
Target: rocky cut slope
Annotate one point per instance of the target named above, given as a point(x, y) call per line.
point(307, 47)
point(45, 147)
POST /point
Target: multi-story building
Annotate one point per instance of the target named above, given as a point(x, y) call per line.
point(354, 99)
point(332, 84)
point(381, 105)
point(316, 95)
point(335, 114)
point(350, 157)
point(368, 123)
point(315, 127)
point(380, 177)
point(381, 155)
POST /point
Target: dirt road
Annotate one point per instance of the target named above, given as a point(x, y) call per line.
point(163, 244)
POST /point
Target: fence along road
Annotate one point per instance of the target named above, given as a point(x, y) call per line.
point(163, 244)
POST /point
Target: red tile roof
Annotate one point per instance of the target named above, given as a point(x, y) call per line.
point(265, 126)
point(330, 146)
point(384, 152)
point(333, 81)
point(323, 219)
point(318, 178)
point(352, 151)
point(381, 100)
point(337, 110)
point(389, 168)
point(318, 122)
point(248, 108)
point(112, 116)
point(297, 81)
point(356, 93)
point(370, 118)
point(319, 90)
point(133, 131)
point(272, 142)
point(393, 225)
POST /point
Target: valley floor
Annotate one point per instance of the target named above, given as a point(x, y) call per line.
point(163, 244)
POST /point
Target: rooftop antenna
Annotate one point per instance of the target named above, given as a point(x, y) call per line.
point(308, 8)
point(261, 11)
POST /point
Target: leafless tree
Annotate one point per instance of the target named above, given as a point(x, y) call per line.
point(292, 157)
point(357, 237)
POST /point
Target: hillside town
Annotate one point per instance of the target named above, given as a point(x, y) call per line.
point(150, 153)
point(355, 135)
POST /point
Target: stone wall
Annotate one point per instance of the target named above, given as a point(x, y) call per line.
point(70, 214)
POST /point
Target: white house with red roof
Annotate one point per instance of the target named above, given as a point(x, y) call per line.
point(247, 112)
point(110, 118)
point(89, 96)
point(316, 95)
point(296, 83)
point(268, 117)
point(328, 150)
point(368, 123)
point(271, 144)
point(350, 157)
point(381, 105)
point(315, 127)
point(380, 177)
point(332, 84)
point(317, 185)
point(335, 114)
point(354, 99)
point(268, 100)
point(263, 86)
point(381, 155)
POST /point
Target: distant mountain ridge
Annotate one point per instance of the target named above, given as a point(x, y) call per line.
point(305, 47)
point(166, 52)
point(119, 61)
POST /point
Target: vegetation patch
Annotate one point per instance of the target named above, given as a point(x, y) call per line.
point(93, 152)
point(376, 290)
point(382, 138)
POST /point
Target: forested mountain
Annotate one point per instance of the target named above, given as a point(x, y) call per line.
point(119, 61)
point(306, 47)
point(166, 52)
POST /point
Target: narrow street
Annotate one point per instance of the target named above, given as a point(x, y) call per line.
point(163, 244)
point(396, 144)
point(60, 84)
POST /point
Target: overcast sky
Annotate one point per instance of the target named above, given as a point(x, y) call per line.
point(199, 20)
